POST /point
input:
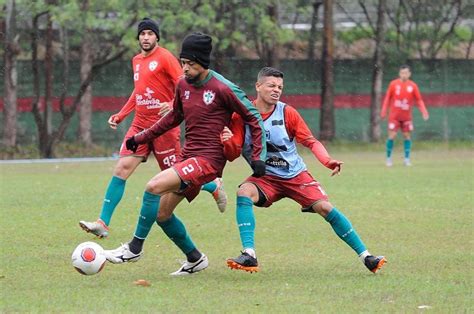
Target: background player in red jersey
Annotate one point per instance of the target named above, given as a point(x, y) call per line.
point(401, 95)
point(155, 73)
point(286, 173)
point(205, 101)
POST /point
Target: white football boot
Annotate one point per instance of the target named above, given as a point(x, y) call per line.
point(99, 228)
point(220, 196)
point(122, 254)
point(188, 268)
point(407, 162)
point(389, 162)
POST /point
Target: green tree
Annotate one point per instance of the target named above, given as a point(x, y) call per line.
point(231, 23)
point(422, 27)
point(106, 23)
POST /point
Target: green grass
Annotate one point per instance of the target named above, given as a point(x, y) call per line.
point(421, 218)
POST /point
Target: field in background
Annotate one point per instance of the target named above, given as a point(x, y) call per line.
point(421, 218)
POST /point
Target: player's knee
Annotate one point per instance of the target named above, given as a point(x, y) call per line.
point(246, 190)
point(152, 187)
point(163, 216)
point(242, 191)
point(323, 208)
point(123, 171)
point(250, 192)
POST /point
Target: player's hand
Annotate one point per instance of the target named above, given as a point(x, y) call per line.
point(114, 120)
point(426, 117)
point(383, 115)
point(131, 144)
point(335, 166)
point(258, 167)
point(166, 107)
point(226, 134)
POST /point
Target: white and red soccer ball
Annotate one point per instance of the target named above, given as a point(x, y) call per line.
point(88, 258)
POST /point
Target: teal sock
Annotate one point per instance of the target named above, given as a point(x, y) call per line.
point(389, 148)
point(209, 187)
point(148, 214)
point(113, 195)
point(407, 147)
point(176, 231)
point(246, 221)
point(343, 228)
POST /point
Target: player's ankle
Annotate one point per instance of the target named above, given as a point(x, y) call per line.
point(250, 252)
point(103, 223)
point(136, 245)
point(363, 255)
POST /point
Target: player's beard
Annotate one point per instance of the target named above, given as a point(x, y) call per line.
point(192, 80)
point(150, 47)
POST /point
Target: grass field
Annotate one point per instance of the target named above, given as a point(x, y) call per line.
point(420, 217)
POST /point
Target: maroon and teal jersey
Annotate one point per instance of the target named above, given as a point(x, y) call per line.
point(206, 108)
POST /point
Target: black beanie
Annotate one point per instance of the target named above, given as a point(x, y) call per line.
point(197, 47)
point(147, 23)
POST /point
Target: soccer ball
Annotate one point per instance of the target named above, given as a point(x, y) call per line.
point(88, 258)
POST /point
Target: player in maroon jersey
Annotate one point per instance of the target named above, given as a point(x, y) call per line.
point(205, 101)
point(156, 72)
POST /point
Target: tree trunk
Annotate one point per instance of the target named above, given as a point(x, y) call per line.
point(46, 149)
point(312, 33)
point(36, 104)
point(468, 50)
point(85, 107)
point(327, 122)
point(10, 76)
point(272, 48)
point(377, 74)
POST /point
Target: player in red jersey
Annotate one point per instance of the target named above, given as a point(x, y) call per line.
point(205, 101)
point(401, 95)
point(286, 173)
point(156, 73)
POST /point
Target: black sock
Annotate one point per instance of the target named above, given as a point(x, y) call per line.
point(136, 245)
point(193, 256)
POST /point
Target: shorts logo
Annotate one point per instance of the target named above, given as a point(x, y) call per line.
point(208, 97)
point(187, 94)
point(410, 89)
point(152, 66)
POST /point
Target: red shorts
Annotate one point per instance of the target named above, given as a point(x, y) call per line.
point(194, 172)
point(395, 125)
point(303, 189)
point(166, 147)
